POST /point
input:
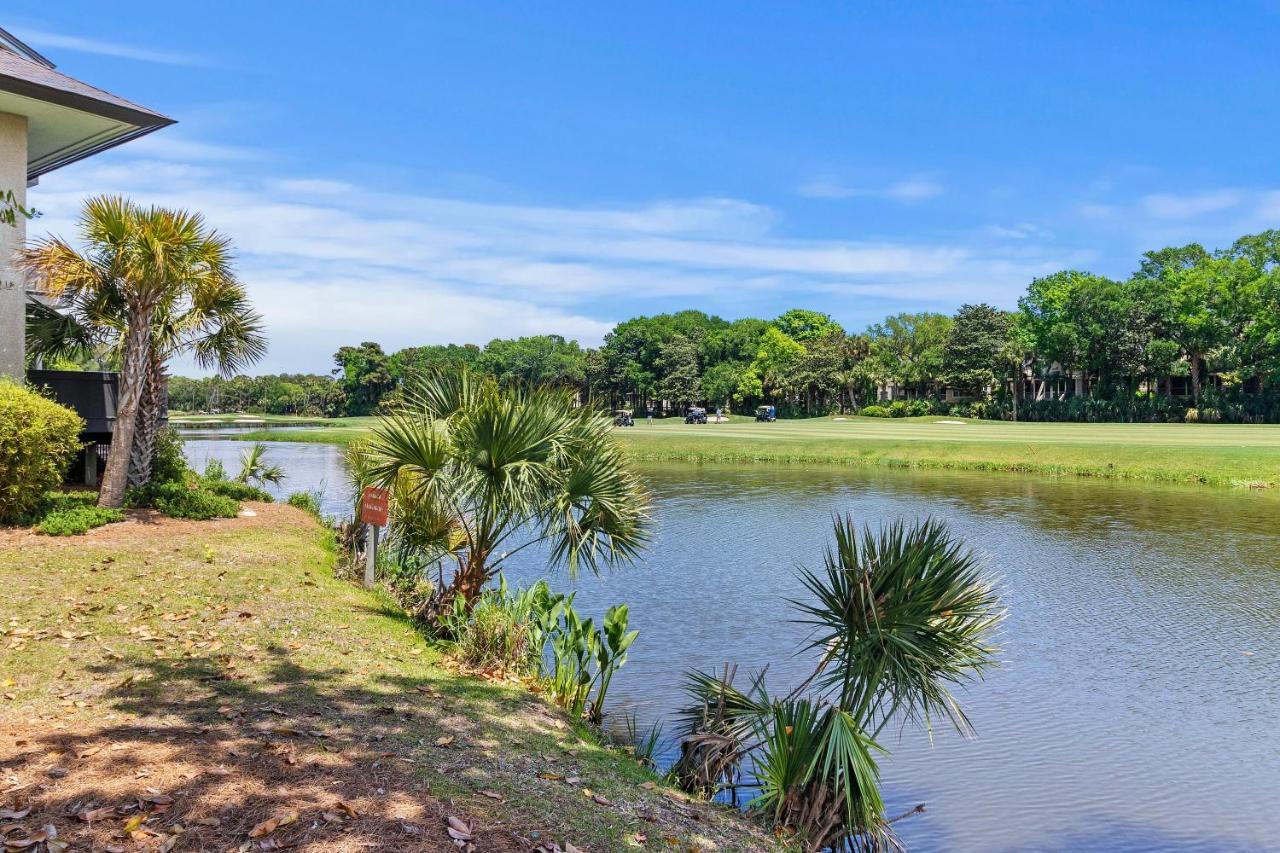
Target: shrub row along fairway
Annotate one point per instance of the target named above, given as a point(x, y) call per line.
point(207, 685)
point(1214, 454)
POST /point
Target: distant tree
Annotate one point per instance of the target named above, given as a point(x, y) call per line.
point(364, 373)
point(680, 371)
point(804, 326)
point(535, 360)
point(720, 382)
point(776, 362)
point(908, 349)
point(420, 361)
point(973, 356)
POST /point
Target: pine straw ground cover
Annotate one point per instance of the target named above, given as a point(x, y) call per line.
point(177, 685)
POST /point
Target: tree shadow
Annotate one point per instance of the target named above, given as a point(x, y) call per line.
point(204, 755)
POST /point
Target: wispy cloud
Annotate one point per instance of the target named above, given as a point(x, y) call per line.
point(909, 190)
point(1187, 206)
point(43, 40)
point(329, 263)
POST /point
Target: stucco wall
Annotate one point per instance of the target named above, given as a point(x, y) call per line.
point(13, 176)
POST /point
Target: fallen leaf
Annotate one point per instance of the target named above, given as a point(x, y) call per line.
point(91, 815)
point(493, 795)
point(347, 809)
point(134, 822)
point(458, 829)
point(444, 741)
point(14, 814)
point(272, 824)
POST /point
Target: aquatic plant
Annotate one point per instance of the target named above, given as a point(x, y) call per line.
point(900, 616)
point(536, 632)
point(254, 467)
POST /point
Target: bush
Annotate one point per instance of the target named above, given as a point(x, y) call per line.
point(899, 409)
point(920, 408)
point(235, 490)
point(874, 412)
point(77, 520)
point(305, 501)
point(183, 500)
point(215, 470)
point(169, 465)
point(38, 439)
point(68, 514)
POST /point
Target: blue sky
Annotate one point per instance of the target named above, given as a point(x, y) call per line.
point(432, 172)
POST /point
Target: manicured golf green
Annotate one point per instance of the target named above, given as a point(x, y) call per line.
point(1215, 454)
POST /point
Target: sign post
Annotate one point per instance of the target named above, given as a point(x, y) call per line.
point(373, 512)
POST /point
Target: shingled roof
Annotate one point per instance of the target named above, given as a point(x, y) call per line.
point(68, 119)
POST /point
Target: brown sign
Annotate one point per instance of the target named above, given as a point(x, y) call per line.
point(373, 506)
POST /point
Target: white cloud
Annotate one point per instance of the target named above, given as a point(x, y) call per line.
point(42, 40)
point(910, 190)
point(1020, 231)
point(916, 189)
point(329, 263)
point(1172, 206)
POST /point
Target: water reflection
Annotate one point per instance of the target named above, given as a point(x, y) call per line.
point(1142, 650)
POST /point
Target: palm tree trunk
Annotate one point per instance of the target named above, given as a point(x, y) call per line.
point(132, 379)
point(147, 430)
point(1195, 378)
point(471, 577)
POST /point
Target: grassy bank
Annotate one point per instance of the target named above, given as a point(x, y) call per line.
point(165, 678)
point(1213, 454)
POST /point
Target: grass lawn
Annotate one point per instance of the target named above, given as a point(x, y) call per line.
point(1214, 454)
point(178, 683)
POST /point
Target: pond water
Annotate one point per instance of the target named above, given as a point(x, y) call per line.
point(1136, 707)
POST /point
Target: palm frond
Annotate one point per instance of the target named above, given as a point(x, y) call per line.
point(900, 616)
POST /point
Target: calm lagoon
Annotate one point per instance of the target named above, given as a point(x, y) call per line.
point(1136, 706)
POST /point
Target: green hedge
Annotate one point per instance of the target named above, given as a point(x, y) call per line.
point(68, 514)
point(38, 439)
point(184, 500)
point(235, 491)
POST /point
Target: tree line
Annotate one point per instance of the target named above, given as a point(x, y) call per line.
point(1192, 333)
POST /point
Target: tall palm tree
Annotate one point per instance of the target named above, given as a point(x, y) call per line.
point(218, 328)
point(478, 471)
point(145, 267)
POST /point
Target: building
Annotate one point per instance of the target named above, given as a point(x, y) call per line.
point(47, 120)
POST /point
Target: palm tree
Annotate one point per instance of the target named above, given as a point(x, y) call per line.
point(899, 617)
point(157, 279)
point(473, 467)
point(218, 328)
point(254, 467)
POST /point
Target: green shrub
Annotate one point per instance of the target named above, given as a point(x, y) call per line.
point(920, 408)
point(38, 439)
point(899, 409)
point(235, 490)
point(183, 500)
point(215, 470)
point(68, 514)
point(77, 520)
point(306, 501)
point(169, 465)
point(874, 412)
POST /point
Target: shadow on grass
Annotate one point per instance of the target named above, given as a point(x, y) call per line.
point(377, 764)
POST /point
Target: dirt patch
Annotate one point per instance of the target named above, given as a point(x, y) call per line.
point(155, 785)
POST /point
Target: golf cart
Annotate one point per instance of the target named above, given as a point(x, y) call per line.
point(696, 415)
point(622, 417)
point(767, 414)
